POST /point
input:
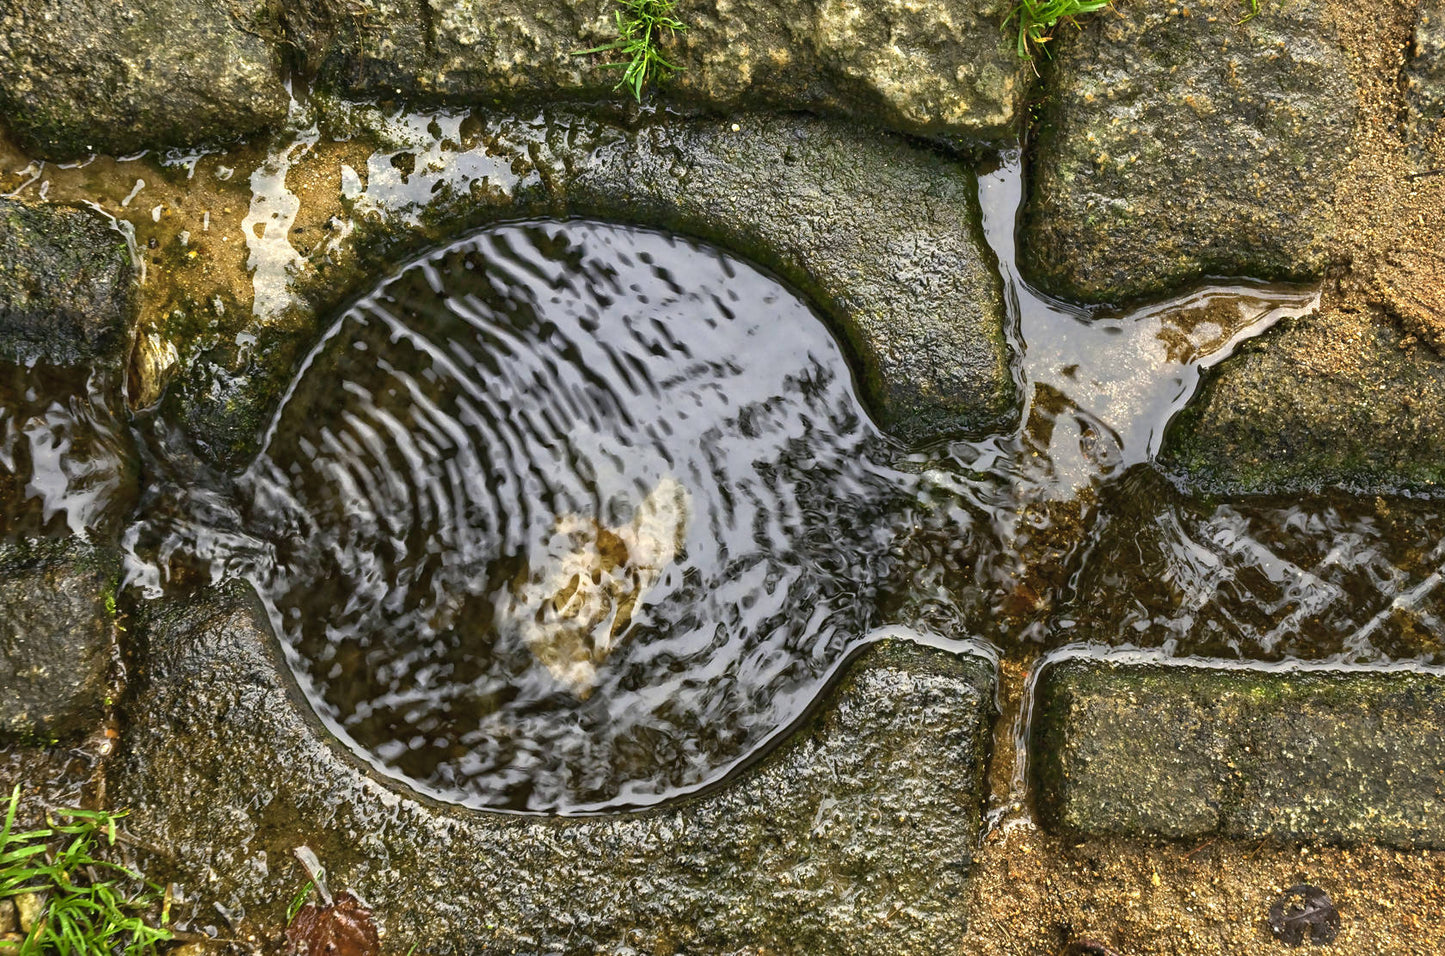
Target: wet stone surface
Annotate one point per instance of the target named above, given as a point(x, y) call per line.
point(1190, 752)
point(1014, 497)
point(938, 67)
point(1335, 399)
point(881, 235)
point(855, 836)
point(1177, 143)
point(67, 287)
point(88, 76)
point(56, 638)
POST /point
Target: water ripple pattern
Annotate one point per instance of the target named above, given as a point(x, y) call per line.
point(67, 465)
point(569, 516)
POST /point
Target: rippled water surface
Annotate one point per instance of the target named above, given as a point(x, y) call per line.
point(67, 463)
point(571, 516)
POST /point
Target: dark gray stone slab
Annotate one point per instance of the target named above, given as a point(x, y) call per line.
point(1175, 142)
point(1191, 752)
point(940, 67)
point(67, 286)
point(57, 638)
point(1333, 399)
point(856, 836)
point(86, 76)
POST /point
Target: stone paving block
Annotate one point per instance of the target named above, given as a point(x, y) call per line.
point(1176, 142)
point(855, 836)
point(1191, 752)
point(56, 637)
point(67, 286)
point(926, 66)
point(85, 76)
point(1340, 398)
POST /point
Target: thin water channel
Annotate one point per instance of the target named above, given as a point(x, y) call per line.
point(569, 516)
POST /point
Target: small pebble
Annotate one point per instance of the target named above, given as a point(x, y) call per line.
point(29, 907)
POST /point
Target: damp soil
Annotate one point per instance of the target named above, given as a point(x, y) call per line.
point(1388, 203)
point(1032, 893)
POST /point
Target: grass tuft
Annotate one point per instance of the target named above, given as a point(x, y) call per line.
point(1037, 19)
point(299, 900)
point(91, 906)
point(640, 27)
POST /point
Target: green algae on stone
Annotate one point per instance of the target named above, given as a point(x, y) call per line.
point(1175, 143)
point(67, 286)
point(1189, 752)
point(935, 67)
point(1334, 399)
point(85, 76)
point(855, 836)
point(56, 637)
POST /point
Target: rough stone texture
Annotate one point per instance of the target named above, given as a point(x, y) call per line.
point(1334, 399)
point(1409, 283)
point(1176, 143)
point(1425, 73)
point(67, 286)
point(883, 236)
point(1188, 752)
point(929, 66)
point(104, 76)
point(855, 837)
point(56, 637)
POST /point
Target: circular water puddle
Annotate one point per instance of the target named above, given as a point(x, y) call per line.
point(570, 516)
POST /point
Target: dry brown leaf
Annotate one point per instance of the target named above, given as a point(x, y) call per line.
point(344, 928)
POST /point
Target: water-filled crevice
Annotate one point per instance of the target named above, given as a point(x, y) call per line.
point(572, 517)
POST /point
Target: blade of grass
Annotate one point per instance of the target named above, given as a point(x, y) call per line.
point(641, 25)
point(90, 906)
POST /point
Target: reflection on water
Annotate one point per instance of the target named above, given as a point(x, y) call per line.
point(570, 516)
point(1099, 388)
point(66, 462)
point(1328, 577)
